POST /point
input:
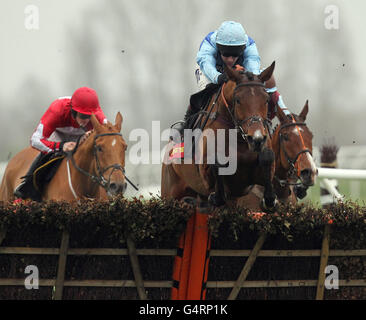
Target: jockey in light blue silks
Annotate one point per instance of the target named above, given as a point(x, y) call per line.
point(230, 45)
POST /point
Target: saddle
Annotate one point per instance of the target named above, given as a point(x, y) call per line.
point(38, 176)
point(46, 169)
point(198, 110)
point(199, 103)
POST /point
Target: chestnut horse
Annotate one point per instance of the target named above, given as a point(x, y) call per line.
point(241, 106)
point(94, 169)
point(293, 147)
point(292, 144)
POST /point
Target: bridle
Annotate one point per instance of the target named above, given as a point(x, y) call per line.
point(99, 178)
point(292, 172)
point(239, 123)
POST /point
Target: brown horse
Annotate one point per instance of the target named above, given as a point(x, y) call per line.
point(292, 144)
point(93, 170)
point(240, 105)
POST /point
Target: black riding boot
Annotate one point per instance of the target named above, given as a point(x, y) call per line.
point(190, 117)
point(26, 189)
point(187, 123)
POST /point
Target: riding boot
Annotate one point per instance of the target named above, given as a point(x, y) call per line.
point(274, 102)
point(26, 188)
point(189, 117)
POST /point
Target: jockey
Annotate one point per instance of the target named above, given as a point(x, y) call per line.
point(230, 46)
point(66, 119)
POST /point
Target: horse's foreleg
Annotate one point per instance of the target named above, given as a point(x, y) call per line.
point(266, 162)
point(217, 198)
point(300, 191)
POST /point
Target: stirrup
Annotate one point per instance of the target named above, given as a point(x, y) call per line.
point(17, 193)
point(180, 128)
point(215, 200)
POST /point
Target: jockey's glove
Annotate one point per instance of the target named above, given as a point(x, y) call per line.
point(222, 78)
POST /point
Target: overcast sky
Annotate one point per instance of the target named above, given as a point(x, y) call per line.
point(44, 56)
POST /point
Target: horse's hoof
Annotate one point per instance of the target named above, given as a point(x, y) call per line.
point(215, 200)
point(300, 191)
point(190, 200)
point(269, 207)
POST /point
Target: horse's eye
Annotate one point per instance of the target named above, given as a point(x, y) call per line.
point(285, 137)
point(237, 101)
point(99, 148)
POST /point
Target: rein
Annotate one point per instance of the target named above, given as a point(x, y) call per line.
point(99, 178)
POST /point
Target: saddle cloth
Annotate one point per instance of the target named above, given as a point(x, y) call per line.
point(177, 151)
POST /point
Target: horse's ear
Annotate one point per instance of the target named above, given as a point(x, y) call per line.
point(267, 73)
point(95, 122)
point(304, 111)
point(118, 121)
point(281, 115)
point(232, 74)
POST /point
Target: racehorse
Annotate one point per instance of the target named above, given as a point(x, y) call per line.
point(94, 169)
point(241, 104)
point(292, 144)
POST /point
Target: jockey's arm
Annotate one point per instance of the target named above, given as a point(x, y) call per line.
point(206, 59)
point(252, 60)
point(39, 138)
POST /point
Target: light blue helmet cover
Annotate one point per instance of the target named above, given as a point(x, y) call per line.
point(231, 33)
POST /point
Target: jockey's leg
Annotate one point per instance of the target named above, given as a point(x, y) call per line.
point(188, 117)
point(202, 82)
point(26, 189)
point(275, 99)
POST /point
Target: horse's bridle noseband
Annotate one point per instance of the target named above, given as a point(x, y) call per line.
point(99, 178)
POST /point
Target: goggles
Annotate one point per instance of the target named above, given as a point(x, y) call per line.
point(84, 116)
point(228, 54)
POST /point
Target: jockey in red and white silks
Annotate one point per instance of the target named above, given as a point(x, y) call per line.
point(61, 122)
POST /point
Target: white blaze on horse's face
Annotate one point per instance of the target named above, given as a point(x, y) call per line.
point(313, 165)
point(297, 130)
point(257, 135)
point(114, 142)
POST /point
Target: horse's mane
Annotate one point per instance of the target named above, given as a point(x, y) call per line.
point(249, 75)
point(83, 138)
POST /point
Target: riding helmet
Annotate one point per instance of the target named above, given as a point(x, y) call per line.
point(85, 100)
point(231, 38)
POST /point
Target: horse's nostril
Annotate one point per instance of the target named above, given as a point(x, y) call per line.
point(117, 187)
point(306, 173)
point(113, 187)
